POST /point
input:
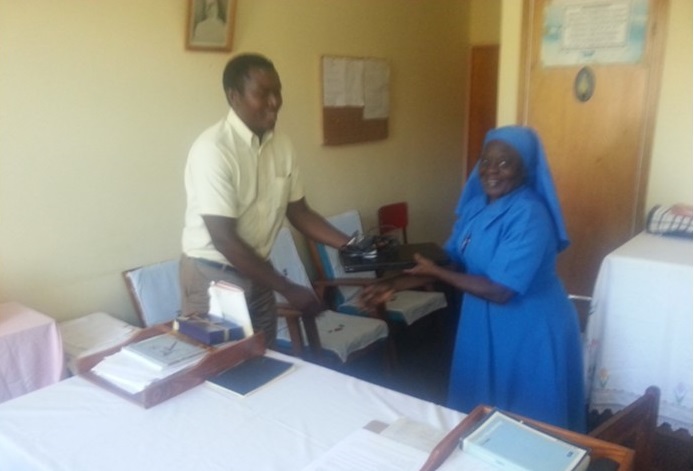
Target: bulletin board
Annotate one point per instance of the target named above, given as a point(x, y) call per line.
point(355, 102)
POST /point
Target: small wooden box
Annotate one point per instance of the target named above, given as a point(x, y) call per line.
point(214, 362)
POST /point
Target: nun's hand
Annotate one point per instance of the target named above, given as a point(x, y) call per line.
point(424, 267)
point(375, 295)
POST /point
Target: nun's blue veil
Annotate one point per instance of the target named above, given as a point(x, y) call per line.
point(537, 174)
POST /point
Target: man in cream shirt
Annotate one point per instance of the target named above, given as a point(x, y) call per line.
point(241, 181)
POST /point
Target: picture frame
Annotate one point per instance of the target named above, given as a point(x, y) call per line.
point(210, 25)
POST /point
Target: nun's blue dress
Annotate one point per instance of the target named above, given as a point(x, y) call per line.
point(523, 356)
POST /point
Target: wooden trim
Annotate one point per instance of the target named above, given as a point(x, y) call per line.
point(654, 54)
point(525, 61)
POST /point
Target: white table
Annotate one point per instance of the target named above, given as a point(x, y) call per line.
point(78, 426)
point(31, 353)
point(640, 328)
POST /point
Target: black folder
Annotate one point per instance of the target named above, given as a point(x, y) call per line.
point(250, 375)
point(399, 257)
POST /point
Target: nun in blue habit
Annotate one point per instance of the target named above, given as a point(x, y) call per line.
point(518, 345)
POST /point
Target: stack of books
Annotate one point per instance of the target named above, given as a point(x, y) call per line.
point(137, 365)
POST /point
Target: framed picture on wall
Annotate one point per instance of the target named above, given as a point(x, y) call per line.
point(210, 25)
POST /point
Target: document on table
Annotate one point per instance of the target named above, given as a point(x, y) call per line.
point(414, 434)
point(364, 450)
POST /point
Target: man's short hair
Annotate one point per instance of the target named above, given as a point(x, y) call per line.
point(237, 69)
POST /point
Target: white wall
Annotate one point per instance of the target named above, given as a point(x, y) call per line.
point(99, 103)
point(670, 177)
point(485, 21)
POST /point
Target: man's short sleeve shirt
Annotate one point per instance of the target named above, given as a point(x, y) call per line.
point(231, 173)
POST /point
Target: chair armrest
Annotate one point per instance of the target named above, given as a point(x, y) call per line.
point(346, 282)
point(287, 311)
point(293, 318)
point(325, 289)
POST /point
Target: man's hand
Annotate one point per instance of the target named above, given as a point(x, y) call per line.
point(303, 299)
point(374, 295)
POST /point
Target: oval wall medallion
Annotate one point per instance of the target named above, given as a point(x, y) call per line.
point(584, 85)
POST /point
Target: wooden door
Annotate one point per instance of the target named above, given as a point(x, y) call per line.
point(484, 66)
point(598, 149)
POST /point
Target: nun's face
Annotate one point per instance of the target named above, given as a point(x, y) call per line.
point(501, 169)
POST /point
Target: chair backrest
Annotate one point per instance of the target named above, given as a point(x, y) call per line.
point(634, 427)
point(393, 217)
point(285, 258)
point(328, 258)
point(155, 291)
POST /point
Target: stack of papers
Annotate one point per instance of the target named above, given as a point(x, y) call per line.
point(93, 333)
point(138, 365)
point(163, 351)
point(403, 446)
point(369, 451)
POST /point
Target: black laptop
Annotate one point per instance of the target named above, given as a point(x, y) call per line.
point(399, 257)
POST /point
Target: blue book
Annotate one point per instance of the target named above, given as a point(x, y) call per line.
point(512, 445)
point(208, 328)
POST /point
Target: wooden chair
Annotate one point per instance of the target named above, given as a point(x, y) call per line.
point(156, 295)
point(634, 427)
point(393, 218)
point(155, 291)
point(329, 336)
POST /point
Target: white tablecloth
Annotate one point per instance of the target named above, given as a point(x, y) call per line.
point(640, 329)
point(77, 426)
point(31, 353)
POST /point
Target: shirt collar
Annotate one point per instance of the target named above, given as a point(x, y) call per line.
point(244, 132)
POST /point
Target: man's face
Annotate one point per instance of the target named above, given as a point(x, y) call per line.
point(259, 102)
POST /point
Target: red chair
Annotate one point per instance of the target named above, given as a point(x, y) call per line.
point(392, 218)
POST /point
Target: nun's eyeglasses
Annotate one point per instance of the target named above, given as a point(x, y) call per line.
point(500, 164)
